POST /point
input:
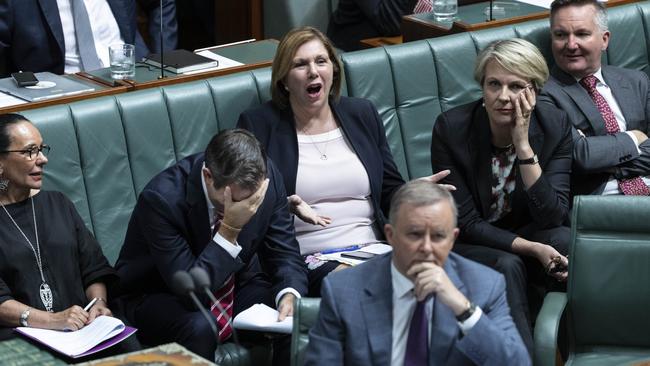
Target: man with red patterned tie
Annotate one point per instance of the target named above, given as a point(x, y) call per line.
point(419, 305)
point(225, 211)
point(608, 106)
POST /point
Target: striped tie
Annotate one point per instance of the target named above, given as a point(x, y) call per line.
point(225, 295)
point(423, 6)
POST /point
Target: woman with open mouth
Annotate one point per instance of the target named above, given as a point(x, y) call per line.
point(338, 170)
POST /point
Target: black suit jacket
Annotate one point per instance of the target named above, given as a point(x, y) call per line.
point(361, 125)
point(598, 155)
point(461, 142)
point(31, 35)
point(169, 231)
point(354, 20)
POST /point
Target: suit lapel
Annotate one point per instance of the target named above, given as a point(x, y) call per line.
point(480, 158)
point(51, 13)
point(377, 305)
point(197, 215)
point(579, 95)
point(624, 95)
point(286, 140)
point(444, 331)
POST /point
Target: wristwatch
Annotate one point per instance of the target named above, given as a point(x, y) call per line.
point(531, 161)
point(468, 313)
point(23, 318)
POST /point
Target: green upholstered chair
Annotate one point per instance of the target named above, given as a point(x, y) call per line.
point(305, 315)
point(608, 295)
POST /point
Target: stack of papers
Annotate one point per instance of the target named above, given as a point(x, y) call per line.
point(262, 318)
point(103, 332)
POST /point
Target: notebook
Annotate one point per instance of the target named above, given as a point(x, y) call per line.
point(49, 86)
point(181, 61)
point(103, 332)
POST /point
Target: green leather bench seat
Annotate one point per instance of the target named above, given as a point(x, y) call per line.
point(608, 296)
point(105, 150)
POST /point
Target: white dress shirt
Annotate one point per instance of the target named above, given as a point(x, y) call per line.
point(612, 184)
point(103, 24)
point(233, 249)
point(404, 302)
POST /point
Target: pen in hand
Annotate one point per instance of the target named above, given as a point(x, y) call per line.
point(90, 304)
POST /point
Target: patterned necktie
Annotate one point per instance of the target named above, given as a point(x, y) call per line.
point(634, 186)
point(417, 345)
point(225, 297)
point(423, 6)
point(84, 35)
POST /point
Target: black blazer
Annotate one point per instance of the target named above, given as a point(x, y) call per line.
point(169, 231)
point(31, 35)
point(361, 125)
point(599, 155)
point(461, 142)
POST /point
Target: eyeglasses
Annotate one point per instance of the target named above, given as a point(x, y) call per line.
point(32, 152)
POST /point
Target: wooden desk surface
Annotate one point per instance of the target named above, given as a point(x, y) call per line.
point(415, 28)
point(252, 55)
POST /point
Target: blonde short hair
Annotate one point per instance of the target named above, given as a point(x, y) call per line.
point(516, 55)
point(283, 62)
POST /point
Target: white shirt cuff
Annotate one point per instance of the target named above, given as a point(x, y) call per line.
point(470, 322)
point(284, 291)
point(232, 249)
point(636, 141)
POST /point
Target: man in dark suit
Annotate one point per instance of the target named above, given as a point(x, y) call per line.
point(354, 20)
point(420, 305)
point(32, 35)
point(231, 190)
point(609, 107)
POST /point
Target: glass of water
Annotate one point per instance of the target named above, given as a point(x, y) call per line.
point(445, 10)
point(122, 59)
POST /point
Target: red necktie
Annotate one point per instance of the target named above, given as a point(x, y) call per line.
point(633, 186)
point(225, 297)
point(423, 6)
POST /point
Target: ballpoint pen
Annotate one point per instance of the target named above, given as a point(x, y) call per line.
point(90, 304)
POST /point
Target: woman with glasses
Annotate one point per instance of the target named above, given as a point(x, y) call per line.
point(50, 264)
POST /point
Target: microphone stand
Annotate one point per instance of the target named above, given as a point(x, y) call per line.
point(491, 16)
point(162, 51)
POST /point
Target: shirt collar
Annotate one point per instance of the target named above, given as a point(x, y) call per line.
point(207, 198)
point(598, 74)
point(402, 285)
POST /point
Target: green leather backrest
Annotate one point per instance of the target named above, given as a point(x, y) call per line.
point(105, 150)
point(412, 83)
point(304, 317)
point(609, 286)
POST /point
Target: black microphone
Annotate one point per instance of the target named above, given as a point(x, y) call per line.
point(202, 281)
point(184, 285)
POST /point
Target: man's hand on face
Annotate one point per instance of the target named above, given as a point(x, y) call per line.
point(429, 278)
point(237, 214)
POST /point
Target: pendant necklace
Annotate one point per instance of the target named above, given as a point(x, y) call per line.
point(323, 154)
point(44, 290)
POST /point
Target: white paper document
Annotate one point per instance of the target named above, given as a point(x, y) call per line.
point(80, 341)
point(263, 318)
point(546, 4)
point(7, 100)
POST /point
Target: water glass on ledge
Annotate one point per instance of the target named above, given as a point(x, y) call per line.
point(122, 59)
point(445, 10)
